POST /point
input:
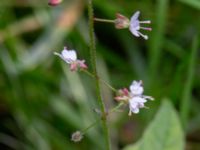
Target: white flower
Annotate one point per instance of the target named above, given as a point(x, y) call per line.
point(134, 97)
point(135, 25)
point(70, 57)
point(136, 88)
point(137, 99)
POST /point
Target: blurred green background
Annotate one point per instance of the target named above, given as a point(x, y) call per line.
point(42, 103)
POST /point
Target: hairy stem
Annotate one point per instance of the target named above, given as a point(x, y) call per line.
point(94, 69)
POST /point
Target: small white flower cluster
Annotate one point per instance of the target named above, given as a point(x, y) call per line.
point(70, 57)
point(134, 97)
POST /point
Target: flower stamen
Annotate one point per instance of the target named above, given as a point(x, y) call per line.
point(146, 28)
point(144, 36)
point(145, 22)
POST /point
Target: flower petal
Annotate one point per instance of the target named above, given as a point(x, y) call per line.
point(134, 31)
point(136, 88)
point(69, 55)
point(134, 107)
point(136, 110)
point(61, 56)
point(138, 99)
point(135, 16)
point(135, 25)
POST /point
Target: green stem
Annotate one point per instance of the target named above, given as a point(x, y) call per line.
point(108, 85)
point(116, 108)
point(97, 121)
point(90, 126)
point(103, 81)
point(104, 20)
point(93, 62)
point(88, 73)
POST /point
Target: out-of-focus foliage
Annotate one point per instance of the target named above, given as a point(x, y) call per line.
point(165, 132)
point(42, 103)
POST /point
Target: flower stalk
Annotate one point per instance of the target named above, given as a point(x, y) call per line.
point(104, 20)
point(114, 109)
point(134, 24)
point(90, 126)
point(103, 81)
point(94, 69)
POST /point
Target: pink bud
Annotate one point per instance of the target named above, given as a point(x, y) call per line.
point(121, 21)
point(54, 2)
point(118, 98)
point(82, 64)
point(73, 66)
point(122, 95)
point(125, 91)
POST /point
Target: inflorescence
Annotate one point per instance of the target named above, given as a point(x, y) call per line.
point(134, 95)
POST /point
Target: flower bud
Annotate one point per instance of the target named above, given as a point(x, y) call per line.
point(82, 64)
point(122, 95)
point(121, 21)
point(54, 2)
point(77, 136)
point(73, 66)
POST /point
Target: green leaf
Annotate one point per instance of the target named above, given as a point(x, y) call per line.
point(164, 132)
point(192, 3)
